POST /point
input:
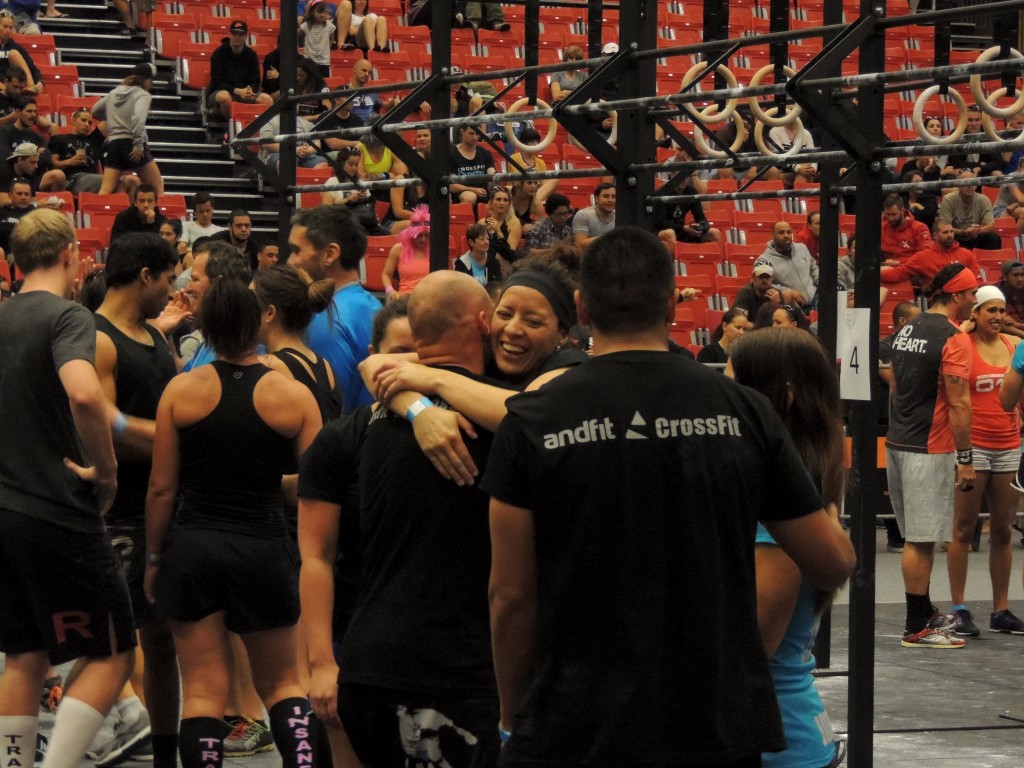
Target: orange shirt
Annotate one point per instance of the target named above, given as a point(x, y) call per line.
point(991, 426)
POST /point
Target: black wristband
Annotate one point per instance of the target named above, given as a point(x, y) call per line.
point(965, 457)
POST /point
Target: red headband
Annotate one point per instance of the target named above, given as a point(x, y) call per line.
point(963, 280)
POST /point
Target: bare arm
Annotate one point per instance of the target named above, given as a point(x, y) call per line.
point(387, 274)
point(89, 411)
point(512, 593)
point(1010, 391)
point(163, 483)
point(778, 586)
point(958, 393)
point(819, 547)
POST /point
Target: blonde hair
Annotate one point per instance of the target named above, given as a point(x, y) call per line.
point(39, 238)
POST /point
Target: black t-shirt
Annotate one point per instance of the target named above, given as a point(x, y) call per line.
point(646, 474)
point(713, 353)
point(7, 104)
point(39, 334)
point(66, 146)
point(329, 472)
point(479, 164)
point(143, 371)
point(11, 136)
point(421, 623)
point(251, 251)
point(130, 220)
point(9, 217)
point(747, 299)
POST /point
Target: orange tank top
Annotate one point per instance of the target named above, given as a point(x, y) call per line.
point(991, 426)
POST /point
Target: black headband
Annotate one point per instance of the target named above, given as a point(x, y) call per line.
point(551, 289)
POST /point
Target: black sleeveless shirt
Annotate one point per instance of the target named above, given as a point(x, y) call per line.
point(328, 398)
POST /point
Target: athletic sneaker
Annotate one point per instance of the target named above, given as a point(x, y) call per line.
point(103, 736)
point(932, 638)
point(130, 734)
point(41, 744)
point(963, 624)
point(248, 737)
point(53, 691)
point(939, 620)
point(1007, 623)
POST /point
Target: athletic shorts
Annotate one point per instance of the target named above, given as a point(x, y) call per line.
point(61, 591)
point(921, 492)
point(129, 542)
point(85, 182)
point(117, 155)
point(390, 727)
point(995, 460)
point(255, 581)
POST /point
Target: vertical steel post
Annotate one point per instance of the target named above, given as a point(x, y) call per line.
point(635, 143)
point(287, 201)
point(440, 138)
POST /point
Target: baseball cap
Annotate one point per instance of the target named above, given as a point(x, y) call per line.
point(763, 267)
point(239, 25)
point(145, 70)
point(1010, 265)
point(610, 48)
point(25, 149)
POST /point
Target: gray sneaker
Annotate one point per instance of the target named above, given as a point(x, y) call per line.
point(248, 737)
point(130, 734)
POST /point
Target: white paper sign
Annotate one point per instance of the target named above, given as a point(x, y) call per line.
point(856, 375)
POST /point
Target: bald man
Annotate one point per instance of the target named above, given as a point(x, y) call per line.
point(416, 659)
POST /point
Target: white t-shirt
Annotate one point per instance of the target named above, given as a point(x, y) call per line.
point(191, 231)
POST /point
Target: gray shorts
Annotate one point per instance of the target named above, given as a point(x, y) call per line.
point(996, 461)
point(85, 182)
point(921, 493)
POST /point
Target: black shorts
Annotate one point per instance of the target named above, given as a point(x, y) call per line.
point(129, 542)
point(61, 591)
point(117, 155)
point(255, 581)
point(389, 727)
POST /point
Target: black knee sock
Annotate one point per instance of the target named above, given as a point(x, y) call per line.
point(321, 745)
point(165, 750)
point(919, 610)
point(201, 743)
point(290, 724)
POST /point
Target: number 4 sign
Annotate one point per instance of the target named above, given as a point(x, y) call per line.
point(856, 376)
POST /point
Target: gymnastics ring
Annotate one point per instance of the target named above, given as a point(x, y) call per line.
point(798, 143)
point(612, 137)
point(918, 122)
point(543, 143)
point(985, 102)
point(741, 136)
point(792, 112)
point(986, 121)
point(711, 113)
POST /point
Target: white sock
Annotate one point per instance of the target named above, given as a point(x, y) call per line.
point(18, 741)
point(127, 707)
point(73, 730)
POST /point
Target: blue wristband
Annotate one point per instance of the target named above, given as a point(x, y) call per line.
point(504, 735)
point(1017, 362)
point(120, 424)
point(417, 408)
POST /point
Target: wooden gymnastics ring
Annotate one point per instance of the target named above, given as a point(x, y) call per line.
point(741, 136)
point(711, 113)
point(986, 103)
point(543, 143)
point(986, 120)
point(798, 143)
point(918, 121)
point(792, 112)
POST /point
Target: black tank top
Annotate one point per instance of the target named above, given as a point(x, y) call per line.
point(142, 372)
point(232, 462)
point(328, 398)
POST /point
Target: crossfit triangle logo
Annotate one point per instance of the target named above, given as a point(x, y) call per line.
point(638, 421)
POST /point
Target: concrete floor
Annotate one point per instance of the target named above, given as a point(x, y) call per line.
point(931, 708)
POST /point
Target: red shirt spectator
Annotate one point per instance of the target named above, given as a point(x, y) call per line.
point(902, 236)
point(809, 235)
point(926, 263)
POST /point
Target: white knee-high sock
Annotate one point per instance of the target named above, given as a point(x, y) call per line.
point(73, 730)
point(18, 741)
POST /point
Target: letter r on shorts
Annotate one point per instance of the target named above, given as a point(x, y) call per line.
point(66, 621)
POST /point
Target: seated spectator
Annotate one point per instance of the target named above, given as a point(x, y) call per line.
point(788, 316)
point(550, 231)
point(480, 16)
point(78, 154)
point(23, 162)
point(1010, 201)
point(23, 128)
point(309, 80)
point(971, 216)
point(465, 158)
point(922, 267)
point(811, 233)
point(479, 261)
point(342, 117)
point(13, 55)
point(1012, 286)
point(235, 73)
point(15, 84)
point(306, 154)
point(170, 233)
point(783, 138)
point(562, 83)
point(734, 324)
point(528, 196)
point(366, 105)
point(940, 165)
point(410, 257)
point(926, 166)
point(404, 200)
point(26, 13)
point(268, 255)
point(239, 236)
point(902, 236)
point(366, 30)
point(201, 224)
point(359, 201)
point(921, 202)
point(316, 35)
point(503, 226)
point(144, 216)
point(725, 136)
point(981, 164)
point(1010, 160)
point(379, 163)
point(795, 271)
point(271, 82)
point(671, 219)
point(125, 110)
point(761, 289)
point(525, 159)
point(20, 193)
point(590, 223)
point(846, 276)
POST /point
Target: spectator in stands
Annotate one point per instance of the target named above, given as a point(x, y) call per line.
point(846, 276)
point(784, 138)
point(925, 165)
point(734, 324)
point(922, 203)
point(365, 105)
point(902, 236)
point(671, 219)
point(1012, 286)
point(528, 197)
point(78, 154)
point(26, 14)
point(308, 81)
point(592, 222)
point(525, 159)
point(366, 30)
point(239, 235)
point(125, 110)
point(788, 316)
point(359, 201)
point(503, 226)
point(15, 82)
point(13, 55)
point(410, 257)
point(342, 117)
point(479, 261)
point(201, 224)
point(1009, 160)
point(271, 82)
point(307, 155)
point(726, 135)
point(795, 271)
point(981, 164)
point(549, 231)
point(473, 15)
point(1010, 201)
point(317, 33)
point(268, 255)
point(20, 193)
point(144, 216)
point(23, 129)
point(971, 216)
point(465, 158)
point(404, 200)
point(811, 233)
point(926, 263)
point(24, 162)
point(125, 12)
point(562, 83)
point(235, 72)
point(170, 233)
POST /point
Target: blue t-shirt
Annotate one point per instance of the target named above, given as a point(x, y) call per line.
point(203, 356)
point(808, 729)
point(341, 333)
point(479, 272)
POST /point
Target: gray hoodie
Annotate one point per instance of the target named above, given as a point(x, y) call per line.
point(797, 269)
point(125, 109)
